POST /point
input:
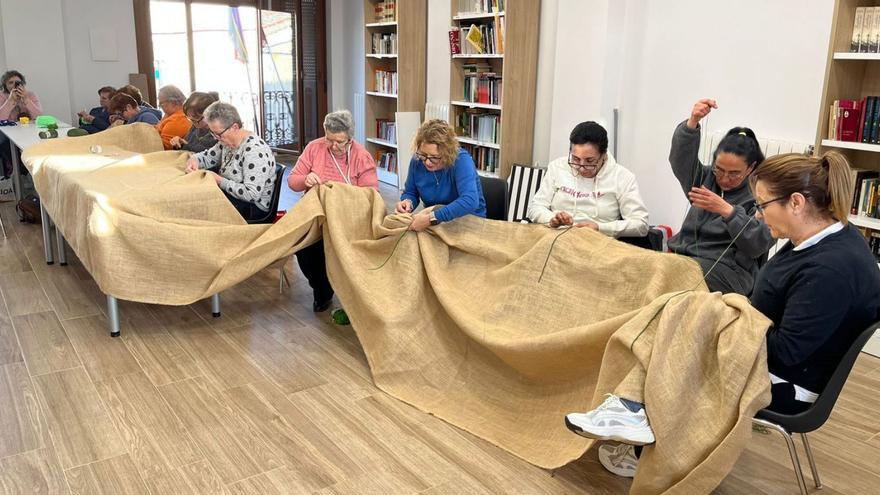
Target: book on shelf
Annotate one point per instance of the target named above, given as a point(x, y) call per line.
point(861, 190)
point(480, 6)
point(386, 130)
point(383, 43)
point(485, 159)
point(481, 126)
point(386, 160)
point(481, 85)
point(855, 120)
point(385, 11)
point(483, 39)
point(385, 81)
point(866, 30)
point(873, 238)
point(454, 41)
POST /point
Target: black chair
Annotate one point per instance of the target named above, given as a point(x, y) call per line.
point(495, 192)
point(653, 240)
point(276, 195)
point(814, 417)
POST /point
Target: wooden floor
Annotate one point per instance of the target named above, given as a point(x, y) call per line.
point(271, 398)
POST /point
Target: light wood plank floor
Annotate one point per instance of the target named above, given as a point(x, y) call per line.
point(272, 398)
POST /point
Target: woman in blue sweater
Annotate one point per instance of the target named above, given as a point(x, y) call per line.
point(441, 173)
point(821, 291)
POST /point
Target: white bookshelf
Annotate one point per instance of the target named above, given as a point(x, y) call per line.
point(467, 16)
point(381, 24)
point(470, 104)
point(484, 173)
point(866, 222)
point(851, 145)
point(479, 143)
point(479, 55)
point(381, 55)
point(379, 93)
point(856, 56)
point(382, 142)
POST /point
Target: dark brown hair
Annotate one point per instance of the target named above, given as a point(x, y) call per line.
point(107, 89)
point(132, 91)
point(823, 180)
point(198, 102)
point(121, 100)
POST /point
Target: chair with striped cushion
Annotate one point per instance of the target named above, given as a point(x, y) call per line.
point(522, 184)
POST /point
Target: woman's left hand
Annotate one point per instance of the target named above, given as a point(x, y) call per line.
point(217, 177)
point(420, 222)
point(588, 224)
point(703, 198)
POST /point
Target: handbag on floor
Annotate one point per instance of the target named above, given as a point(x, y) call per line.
point(28, 209)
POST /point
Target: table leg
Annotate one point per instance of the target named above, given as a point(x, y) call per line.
point(215, 305)
point(62, 252)
point(16, 171)
point(47, 235)
point(113, 315)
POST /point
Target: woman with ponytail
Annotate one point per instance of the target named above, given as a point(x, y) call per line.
point(821, 290)
point(722, 204)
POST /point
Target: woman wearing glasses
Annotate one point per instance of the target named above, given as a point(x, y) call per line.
point(245, 165)
point(199, 137)
point(821, 290)
point(124, 109)
point(336, 157)
point(588, 188)
point(722, 204)
point(440, 173)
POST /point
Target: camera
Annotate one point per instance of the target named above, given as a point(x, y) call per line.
point(16, 85)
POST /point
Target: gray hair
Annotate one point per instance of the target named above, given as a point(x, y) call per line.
point(172, 94)
point(339, 121)
point(222, 112)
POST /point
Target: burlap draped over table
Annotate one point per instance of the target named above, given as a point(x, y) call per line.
point(456, 323)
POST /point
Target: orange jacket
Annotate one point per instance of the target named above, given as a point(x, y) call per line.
point(172, 125)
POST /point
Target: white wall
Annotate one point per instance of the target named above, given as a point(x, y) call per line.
point(763, 61)
point(48, 41)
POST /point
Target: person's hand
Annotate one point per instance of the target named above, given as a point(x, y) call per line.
point(420, 222)
point(177, 142)
point(192, 165)
point(703, 198)
point(404, 206)
point(117, 123)
point(82, 114)
point(701, 108)
point(312, 180)
point(17, 94)
point(588, 224)
point(561, 218)
point(214, 175)
point(87, 118)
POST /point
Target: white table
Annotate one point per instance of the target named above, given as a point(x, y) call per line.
point(22, 136)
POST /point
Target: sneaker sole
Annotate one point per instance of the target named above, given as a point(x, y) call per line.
point(623, 473)
point(612, 433)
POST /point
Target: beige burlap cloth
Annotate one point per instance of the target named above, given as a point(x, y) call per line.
point(456, 321)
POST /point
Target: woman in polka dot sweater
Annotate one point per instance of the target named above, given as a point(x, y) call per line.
point(240, 162)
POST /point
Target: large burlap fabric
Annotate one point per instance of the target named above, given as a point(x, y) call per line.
point(456, 321)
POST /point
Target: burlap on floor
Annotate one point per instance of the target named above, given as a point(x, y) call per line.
point(456, 322)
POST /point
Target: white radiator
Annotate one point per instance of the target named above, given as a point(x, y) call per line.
point(437, 111)
point(358, 115)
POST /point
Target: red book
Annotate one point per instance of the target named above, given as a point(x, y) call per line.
point(849, 120)
point(862, 113)
point(454, 42)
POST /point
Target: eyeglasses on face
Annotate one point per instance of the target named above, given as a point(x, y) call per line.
point(761, 206)
point(584, 163)
point(195, 121)
point(730, 175)
point(427, 158)
point(218, 136)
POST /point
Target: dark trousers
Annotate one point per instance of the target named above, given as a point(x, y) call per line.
point(313, 265)
point(247, 210)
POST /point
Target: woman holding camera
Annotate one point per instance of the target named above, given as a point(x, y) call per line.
point(15, 100)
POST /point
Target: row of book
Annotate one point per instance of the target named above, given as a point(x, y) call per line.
point(478, 39)
point(387, 160)
point(480, 6)
point(855, 120)
point(383, 43)
point(386, 130)
point(385, 11)
point(484, 127)
point(866, 197)
point(866, 31)
point(873, 239)
point(485, 159)
point(481, 85)
point(385, 81)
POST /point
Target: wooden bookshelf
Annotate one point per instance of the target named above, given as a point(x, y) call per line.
point(409, 27)
point(516, 64)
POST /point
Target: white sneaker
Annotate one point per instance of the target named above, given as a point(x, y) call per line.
point(620, 459)
point(612, 421)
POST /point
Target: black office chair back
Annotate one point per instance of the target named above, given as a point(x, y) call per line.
point(818, 413)
point(276, 196)
point(495, 192)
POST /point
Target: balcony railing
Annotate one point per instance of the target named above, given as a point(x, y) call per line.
point(279, 108)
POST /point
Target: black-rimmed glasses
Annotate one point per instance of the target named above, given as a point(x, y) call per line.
point(760, 206)
point(426, 158)
point(218, 136)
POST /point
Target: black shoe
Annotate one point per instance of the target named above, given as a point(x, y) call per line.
point(320, 307)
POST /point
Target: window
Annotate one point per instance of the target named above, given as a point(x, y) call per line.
point(252, 56)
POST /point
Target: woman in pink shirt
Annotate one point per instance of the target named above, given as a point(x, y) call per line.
point(336, 157)
point(15, 101)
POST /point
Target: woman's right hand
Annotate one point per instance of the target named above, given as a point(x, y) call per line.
point(192, 165)
point(177, 142)
point(404, 206)
point(701, 108)
point(312, 180)
point(561, 218)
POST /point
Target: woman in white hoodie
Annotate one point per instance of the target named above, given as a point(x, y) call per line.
point(589, 189)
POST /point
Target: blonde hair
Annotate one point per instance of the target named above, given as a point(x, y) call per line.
point(440, 133)
point(823, 180)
